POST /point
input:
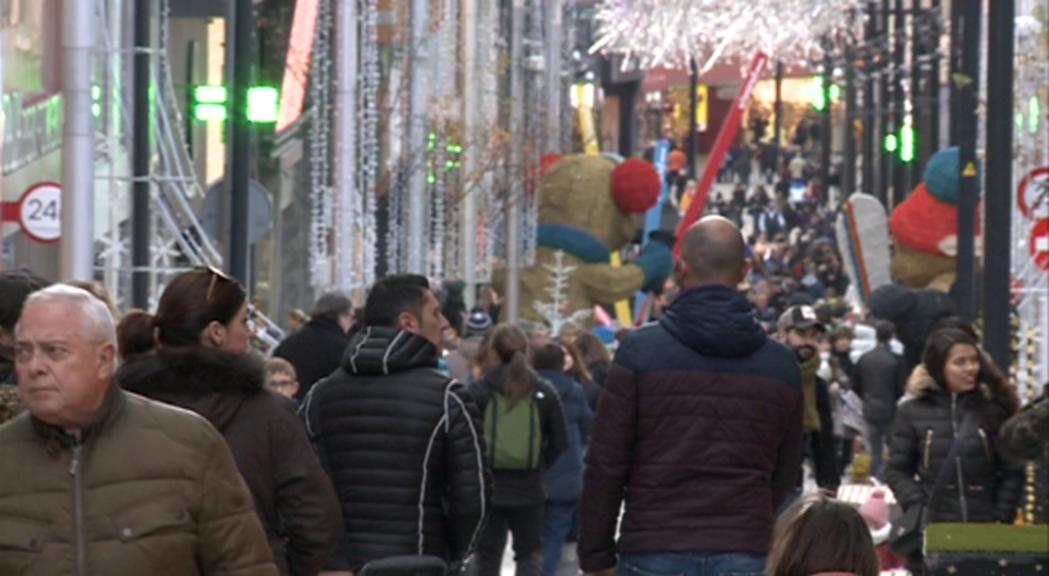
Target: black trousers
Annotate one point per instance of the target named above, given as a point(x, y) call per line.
point(526, 525)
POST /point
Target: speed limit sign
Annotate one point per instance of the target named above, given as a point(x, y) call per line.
point(40, 212)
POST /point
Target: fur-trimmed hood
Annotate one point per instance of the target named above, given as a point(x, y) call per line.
point(209, 382)
point(921, 384)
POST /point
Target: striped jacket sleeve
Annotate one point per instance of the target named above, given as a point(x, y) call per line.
point(470, 481)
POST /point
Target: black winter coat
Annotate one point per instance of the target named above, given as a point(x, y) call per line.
point(699, 430)
point(293, 497)
point(405, 450)
point(921, 438)
point(879, 379)
point(315, 351)
point(525, 488)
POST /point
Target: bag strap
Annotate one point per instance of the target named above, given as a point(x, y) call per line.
point(968, 423)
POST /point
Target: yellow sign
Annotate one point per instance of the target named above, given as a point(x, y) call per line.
point(586, 118)
point(970, 170)
point(622, 306)
point(701, 107)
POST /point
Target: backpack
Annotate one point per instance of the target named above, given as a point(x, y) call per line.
point(514, 437)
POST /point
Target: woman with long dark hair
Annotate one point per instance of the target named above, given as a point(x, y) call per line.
point(961, 397)
point(594, 355)
point(194, 353)
point(524, 429)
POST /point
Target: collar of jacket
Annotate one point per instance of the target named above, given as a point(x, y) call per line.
point(380, 350)
point(574, 241)
point(714, 320)
point(192, 370)
point(58, 439)
point(921, 384)
point(328, 324)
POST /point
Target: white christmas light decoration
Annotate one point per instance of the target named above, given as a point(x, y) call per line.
point(653, 33)
point(553, 311)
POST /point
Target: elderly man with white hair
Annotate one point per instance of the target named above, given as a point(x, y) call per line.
point(96, 480)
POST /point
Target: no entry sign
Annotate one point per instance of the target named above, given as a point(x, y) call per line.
point(1039, 244)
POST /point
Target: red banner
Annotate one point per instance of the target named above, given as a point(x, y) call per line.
point(729, 130)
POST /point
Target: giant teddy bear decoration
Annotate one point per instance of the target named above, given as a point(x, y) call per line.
point(924, 230)
point(589, 207)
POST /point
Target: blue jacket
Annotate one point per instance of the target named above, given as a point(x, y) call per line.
point(563, 482)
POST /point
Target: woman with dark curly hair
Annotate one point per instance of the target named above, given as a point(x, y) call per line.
point(961, 394)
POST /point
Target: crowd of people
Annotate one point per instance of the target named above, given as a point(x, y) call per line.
point(161, 443)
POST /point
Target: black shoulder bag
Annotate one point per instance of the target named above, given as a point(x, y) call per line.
point(908, 535)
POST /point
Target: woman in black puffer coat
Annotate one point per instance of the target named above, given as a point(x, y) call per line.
point(958, 384)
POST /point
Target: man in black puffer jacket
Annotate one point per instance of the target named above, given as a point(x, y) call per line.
point(316, 349)
point(699, 429)
point(402, 442)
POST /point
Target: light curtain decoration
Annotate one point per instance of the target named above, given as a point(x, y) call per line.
point(651, 33)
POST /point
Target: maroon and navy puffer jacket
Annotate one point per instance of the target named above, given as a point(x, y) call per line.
point(699, 431)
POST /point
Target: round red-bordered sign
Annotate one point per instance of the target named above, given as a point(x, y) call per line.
point(1036, 182)
point(1038, 244)
point(40, 212)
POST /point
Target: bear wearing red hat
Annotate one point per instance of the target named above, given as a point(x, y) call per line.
point(589, 207)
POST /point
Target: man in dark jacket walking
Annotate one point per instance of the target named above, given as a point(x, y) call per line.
point(699, 429)
point(315, 350)
point(799, 329)
point(879, 379)
point(401, 441)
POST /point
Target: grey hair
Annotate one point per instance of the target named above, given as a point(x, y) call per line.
point(96, 319)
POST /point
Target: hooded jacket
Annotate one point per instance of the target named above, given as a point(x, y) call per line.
point(145, 489)
point(293, 497)
point(699, 429)
point(563, 482)
point(921, 438)
point(404, 447)
point(525, 488)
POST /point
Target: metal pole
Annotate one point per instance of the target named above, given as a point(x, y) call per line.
point(918, 93)
point(417, 198)
point(693, 129)
point(868, 102)
point(899, 49)
point(848, 169)
point(998, 201)
point(554, 18)
point(933, 142)
point(516, 196)
point(954, 67)
point(886, 126)
point(471, 153)
point(345, 142)
point(627, 95)
point(76, 259)
point(969, 65)
point(777, 130)
point(825, 128)
point(240, 155)
point(140, 234)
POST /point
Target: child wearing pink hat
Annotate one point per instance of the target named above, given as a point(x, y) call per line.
point(875, 512)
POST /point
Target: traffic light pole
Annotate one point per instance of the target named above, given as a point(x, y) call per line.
point(885, 165)
point(848, 168)
point(825, 128)
point(693, 130)
point(899, 47)
point(969, 66)
point(140, 234)
point(240, 153)
point(998, 203)
point(918, 91)
point(869, 114)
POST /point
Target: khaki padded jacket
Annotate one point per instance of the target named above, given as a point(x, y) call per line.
point(148, 489)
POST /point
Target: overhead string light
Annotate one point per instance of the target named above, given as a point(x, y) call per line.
point(652, 33)
point(369, 141)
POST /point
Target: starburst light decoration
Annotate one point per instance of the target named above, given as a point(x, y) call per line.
point(652, 33)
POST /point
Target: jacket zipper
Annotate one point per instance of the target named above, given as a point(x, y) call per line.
point(78, 509)
point(986, 444)
point(958, 461)
point(928, 447)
